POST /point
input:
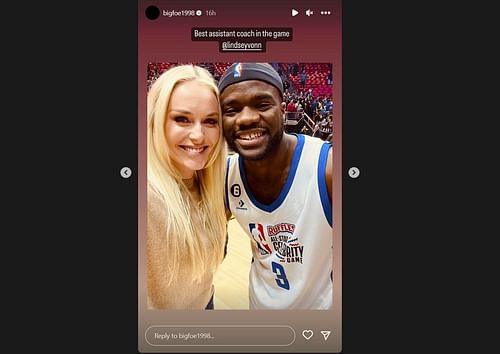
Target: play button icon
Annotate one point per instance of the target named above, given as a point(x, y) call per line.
point(294, 12)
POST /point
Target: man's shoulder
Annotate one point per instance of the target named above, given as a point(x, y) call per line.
point(231, 163)
point(314, 140)
point(231, 156)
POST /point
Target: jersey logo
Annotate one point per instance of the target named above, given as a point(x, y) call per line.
point(286, 244)
point(257, 232)
point(241, 205)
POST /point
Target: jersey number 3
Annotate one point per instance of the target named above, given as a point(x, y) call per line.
point(281, 279)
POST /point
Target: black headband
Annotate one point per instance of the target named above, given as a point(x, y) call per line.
point(238, 72)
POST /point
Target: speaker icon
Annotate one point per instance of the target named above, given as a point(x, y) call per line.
point(294, 12)
point(309, 12)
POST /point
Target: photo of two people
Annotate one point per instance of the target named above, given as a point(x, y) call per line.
point(239, 186)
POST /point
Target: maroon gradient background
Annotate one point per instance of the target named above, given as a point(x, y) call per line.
point(315, 39)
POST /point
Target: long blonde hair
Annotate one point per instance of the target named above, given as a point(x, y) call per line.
point(165, 179)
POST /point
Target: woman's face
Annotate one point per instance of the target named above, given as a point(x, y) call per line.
point(192, 126)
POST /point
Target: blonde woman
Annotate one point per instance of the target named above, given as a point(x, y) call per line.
point(186, 217)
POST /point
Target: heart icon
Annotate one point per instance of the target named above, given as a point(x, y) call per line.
point(307, 333)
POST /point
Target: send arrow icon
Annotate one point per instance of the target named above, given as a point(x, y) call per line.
point(326, 334)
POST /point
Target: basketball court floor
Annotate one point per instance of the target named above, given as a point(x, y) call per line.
point(231, 279)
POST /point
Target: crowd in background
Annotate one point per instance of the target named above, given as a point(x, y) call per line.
point(307, 98)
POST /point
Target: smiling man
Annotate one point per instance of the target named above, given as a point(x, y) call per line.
point(279, 188)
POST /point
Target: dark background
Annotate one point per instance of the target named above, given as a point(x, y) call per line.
point(70, 228)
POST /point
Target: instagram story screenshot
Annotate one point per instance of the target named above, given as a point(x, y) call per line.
point(244, 177)
point(239, 177)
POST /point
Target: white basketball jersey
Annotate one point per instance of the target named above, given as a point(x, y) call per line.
point(292, 254)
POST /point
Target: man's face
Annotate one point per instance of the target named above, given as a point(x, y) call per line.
point(252, 117)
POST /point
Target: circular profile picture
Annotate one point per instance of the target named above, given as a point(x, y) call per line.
point(152, 12)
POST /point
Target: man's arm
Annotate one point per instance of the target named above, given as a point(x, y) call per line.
point(329, 173)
